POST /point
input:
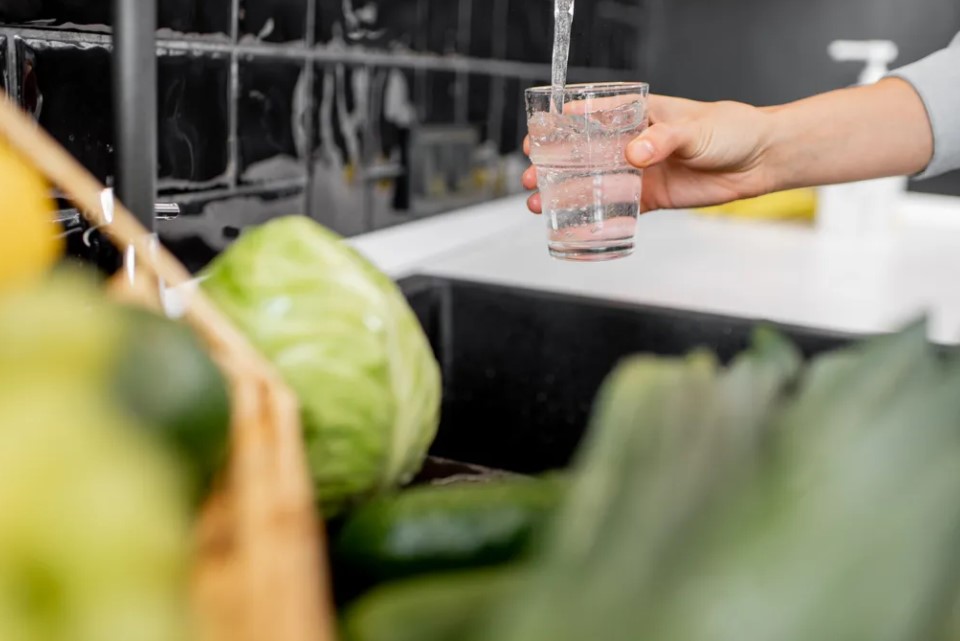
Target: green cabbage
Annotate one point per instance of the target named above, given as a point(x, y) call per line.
point(344, 338)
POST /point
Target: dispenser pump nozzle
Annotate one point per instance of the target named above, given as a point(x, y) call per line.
point(877, 54)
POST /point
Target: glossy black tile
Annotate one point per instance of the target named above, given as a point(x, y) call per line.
point(488, 28)
point(398, 23)
point(12, 11)
point(607, 35)
point(67, 88)
point(443, 28)
point(271, 119)
point(54, 12)
point(509, 129)
point(477, 92)
point(379, 24)
point(274, 20)
point(193, 94)
point(437, 94)
point(329, 22)
point(189, 16)
point(530, 30)
point(195, 16)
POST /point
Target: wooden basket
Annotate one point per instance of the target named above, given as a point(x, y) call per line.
point(259, 573)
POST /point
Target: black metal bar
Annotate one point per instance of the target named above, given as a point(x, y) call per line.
point(135, 105)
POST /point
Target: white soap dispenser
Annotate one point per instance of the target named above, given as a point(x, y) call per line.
point(867, 208)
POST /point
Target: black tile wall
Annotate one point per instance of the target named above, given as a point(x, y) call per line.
point(439, 95)
point(195, 16)
point(193, 119)
point(66, 86)
point(184, 16)
point(443, 27)
point(485, 18)
point(271, 119)
point(535, 21)
point(274, 20)
point(509, 127)
point(375, 23)
point(361, 113)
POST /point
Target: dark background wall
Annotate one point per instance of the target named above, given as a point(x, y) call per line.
point(368, 113)
point(774, 51)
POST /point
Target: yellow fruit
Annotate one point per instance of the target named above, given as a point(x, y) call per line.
point(30, 240)
point(796, 204)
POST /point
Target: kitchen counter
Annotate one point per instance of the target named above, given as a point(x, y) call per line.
point(780, 272)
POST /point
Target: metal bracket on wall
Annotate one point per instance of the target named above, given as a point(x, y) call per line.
point(162, 211)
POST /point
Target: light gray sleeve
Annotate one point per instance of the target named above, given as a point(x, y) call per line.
point(937, 79)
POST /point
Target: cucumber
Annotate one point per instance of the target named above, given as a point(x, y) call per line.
point(433, 608)
point(437, 528)
point(165, 378)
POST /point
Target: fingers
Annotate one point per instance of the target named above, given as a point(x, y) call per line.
point(534, 204)
point(529, 181)
point(526, 145)
point(670, 109)
point(661, 141)
point(529, 178)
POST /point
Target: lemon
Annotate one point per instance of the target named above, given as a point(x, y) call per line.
point(30, 241)
point(796, 204)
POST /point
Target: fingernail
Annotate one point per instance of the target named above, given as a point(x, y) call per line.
point(641, 152)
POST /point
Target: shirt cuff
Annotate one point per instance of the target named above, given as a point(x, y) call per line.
point(936, 79)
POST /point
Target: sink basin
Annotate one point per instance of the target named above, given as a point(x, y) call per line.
point(521, 367)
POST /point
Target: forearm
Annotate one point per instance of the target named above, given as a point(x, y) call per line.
point(848, 135)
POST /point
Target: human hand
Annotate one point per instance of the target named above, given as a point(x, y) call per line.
point(694, 154)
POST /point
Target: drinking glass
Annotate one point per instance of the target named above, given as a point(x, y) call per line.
point(590, 193)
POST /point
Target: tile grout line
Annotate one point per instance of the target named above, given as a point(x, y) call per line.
point(498, 85)
point(233, 94)
point(353, 55)
point(310, 72)
point(272, 186)
point(420, 88)
point(13, 81)
point(462, 106)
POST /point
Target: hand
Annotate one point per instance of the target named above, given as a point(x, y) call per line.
point(694, 154)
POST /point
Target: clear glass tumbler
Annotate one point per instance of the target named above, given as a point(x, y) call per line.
point(590, 194)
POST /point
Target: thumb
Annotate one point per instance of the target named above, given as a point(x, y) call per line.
point(661, 141)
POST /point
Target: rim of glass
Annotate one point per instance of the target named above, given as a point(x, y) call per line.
point(593, 87)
